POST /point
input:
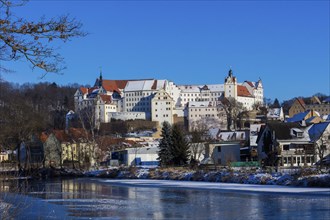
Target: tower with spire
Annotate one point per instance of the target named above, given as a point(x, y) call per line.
point(100, 79)
point(230, 86)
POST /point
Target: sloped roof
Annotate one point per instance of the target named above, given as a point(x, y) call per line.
point(197, 88)
point(274, 112)
point(301, 102)
point(144, 85)
point(83, 90)
point(114, 85)
point(316, 130)
point(250, 83)
point(200, 104)
point(298, 117)
point(243, 91)
point(106, 98)
point(75, 134)
point(282, 130)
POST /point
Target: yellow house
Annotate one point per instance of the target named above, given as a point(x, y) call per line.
point(71, 148)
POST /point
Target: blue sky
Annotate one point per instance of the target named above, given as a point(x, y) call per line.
point(285, 43)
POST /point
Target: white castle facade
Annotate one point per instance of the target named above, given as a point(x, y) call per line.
point(162, 100)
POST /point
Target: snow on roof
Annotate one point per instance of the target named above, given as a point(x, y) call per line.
point(189, 88)
point(327, 100)
point(232, 135)
point(316, 130)
point(143, 85)
point(274, 112)
point(326, 117)
point(213, 132)
point(200, 104)
point(298, 117)
point(197, 88)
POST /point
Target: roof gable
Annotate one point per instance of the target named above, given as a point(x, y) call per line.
point(243, 91)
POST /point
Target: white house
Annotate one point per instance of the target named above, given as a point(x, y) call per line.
point(162, 107)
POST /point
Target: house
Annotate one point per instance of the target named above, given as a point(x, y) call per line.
point(285, 144)
point(315, 104)
point(71, 148)
point(320, 136)
point(309, 115)
point(138, 156)
point(223, 153)
point(275, 114)
point(298, 106)
point(162, 107)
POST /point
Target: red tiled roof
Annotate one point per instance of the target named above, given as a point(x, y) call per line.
point(114, 85)
point(106, 98)
point(83, 90)
point(243, 91)
point(154, 86)
point(73, 134)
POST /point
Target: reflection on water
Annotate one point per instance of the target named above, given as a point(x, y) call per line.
point(88, 198)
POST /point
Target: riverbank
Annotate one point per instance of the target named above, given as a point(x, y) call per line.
point(306, 177)
point(303, 178)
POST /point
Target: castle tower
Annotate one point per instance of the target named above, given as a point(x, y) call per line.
point(230, 86)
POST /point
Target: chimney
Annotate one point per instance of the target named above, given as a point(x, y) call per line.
point(303, 123)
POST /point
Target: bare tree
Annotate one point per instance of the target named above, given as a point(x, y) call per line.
point(90, 123)
point(199, 135)
point(233, 108)
point(21, 39)
point(322, 147)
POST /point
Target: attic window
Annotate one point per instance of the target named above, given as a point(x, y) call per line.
point(296, 132)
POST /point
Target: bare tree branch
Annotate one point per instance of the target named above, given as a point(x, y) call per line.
point(30, 41)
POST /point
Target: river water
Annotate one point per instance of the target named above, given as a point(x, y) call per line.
point(101, 199)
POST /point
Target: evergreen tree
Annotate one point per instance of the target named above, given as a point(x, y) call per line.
point(276, 104)
point(164, 155)
point(180, 146)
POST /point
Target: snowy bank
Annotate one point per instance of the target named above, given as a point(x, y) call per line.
point(259, 177)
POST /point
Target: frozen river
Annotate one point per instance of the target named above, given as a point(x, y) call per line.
point(148, 199)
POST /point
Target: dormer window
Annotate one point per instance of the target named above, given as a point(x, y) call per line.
point(296, 132)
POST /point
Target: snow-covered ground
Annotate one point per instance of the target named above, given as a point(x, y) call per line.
point(216, 186)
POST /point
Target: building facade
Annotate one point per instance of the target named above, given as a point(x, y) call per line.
point(174, 102)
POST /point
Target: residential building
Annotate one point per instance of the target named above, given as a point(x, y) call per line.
point(309, 115)
point(206, 114)
point(297, 107)
point(320, 135)
point(315, 104)
point(223, 153)
point(139, 156)
point(275, 114)
point(71, 148)
point(162, 107)
point(289, 142)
